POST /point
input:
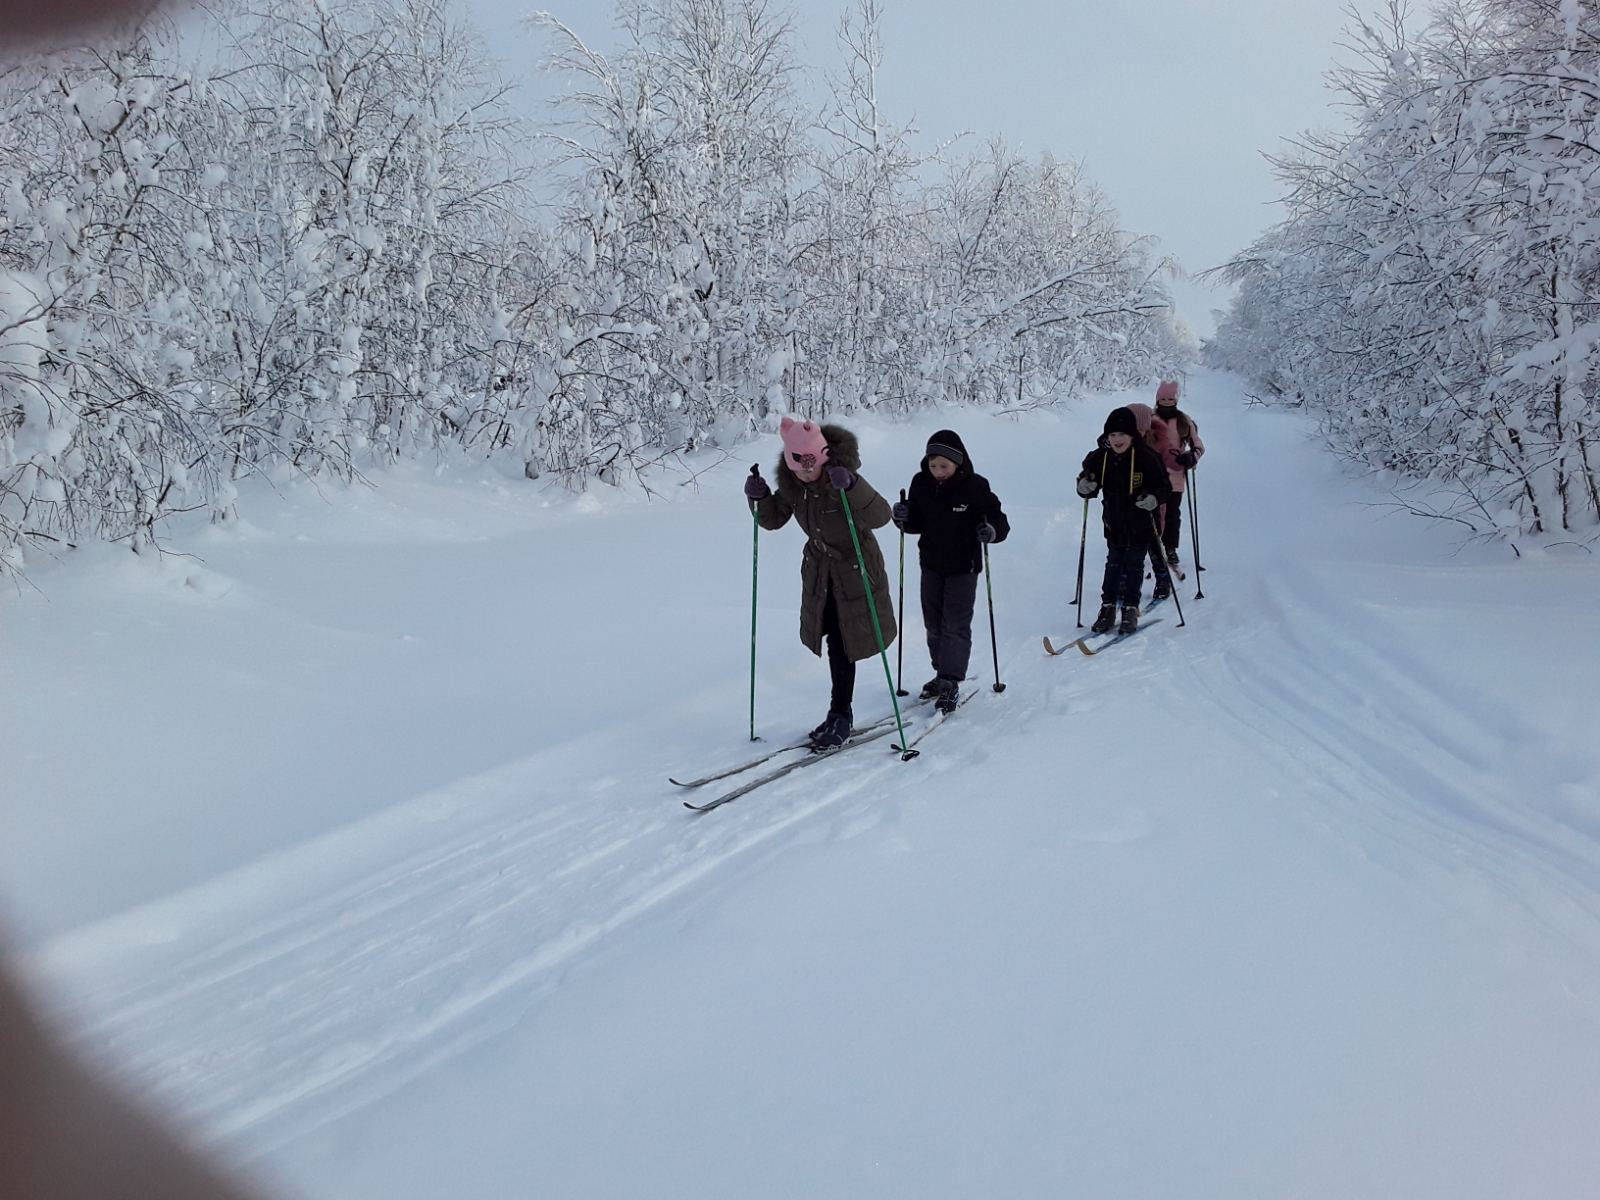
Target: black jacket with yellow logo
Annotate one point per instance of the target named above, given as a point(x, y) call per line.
point(1122, 479)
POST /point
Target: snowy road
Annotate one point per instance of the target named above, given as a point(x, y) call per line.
point(370, 868)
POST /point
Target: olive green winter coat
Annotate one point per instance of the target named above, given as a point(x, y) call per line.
point(829, 562)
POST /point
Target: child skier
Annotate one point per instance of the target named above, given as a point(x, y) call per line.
point(817, 473)
point(1176, 438)
point(1144, 419)
point(1133, 484)
point(956, 514)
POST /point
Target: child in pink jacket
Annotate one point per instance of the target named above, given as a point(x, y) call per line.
point(1176, 438)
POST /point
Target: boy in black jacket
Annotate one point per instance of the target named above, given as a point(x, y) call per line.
point(956, 514)
point(1134, 483)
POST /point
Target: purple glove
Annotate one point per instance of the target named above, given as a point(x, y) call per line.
point(755, 488)
point(842, 478)
point(985, 532)
point(1186, 458)
point(901, 512)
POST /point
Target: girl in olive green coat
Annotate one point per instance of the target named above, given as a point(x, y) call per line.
point(818, 463)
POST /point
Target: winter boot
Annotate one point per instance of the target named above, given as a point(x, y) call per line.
point(949, 694)
point(833, 731)
point(1106, 619)
point(1172, 558)
point(1163, 588)
point(1130, 619)
point(929, 689)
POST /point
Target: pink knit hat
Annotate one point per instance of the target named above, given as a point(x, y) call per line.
point(1167, 390)
point(801, 439)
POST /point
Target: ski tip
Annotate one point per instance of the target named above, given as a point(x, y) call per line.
point(1082, 645)
point(1049, 648)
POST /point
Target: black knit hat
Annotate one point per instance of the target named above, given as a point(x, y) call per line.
point(1122, 420)
point(946, 444)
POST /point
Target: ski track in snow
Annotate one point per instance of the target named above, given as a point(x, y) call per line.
point(285, 1022)
point(1424, 754)
point(236, 1038)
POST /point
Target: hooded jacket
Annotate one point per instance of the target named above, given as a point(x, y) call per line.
point(1169, 437)
point(1122, 479)
point(947, 514)
point(829, 561)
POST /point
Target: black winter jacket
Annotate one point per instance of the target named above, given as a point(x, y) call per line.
point(947, 515)
point(1122, 479)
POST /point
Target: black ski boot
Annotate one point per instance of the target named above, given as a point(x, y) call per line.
point(929, 689)
point(833, 731)
point(1163, 588)
point(1172, 558)
point(1130, 619)
point(1106, 619)
point(949, 694)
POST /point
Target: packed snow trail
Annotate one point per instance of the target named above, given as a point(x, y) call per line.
point(1302, 898)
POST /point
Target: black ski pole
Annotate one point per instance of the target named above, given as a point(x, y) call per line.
point(1083, 540)
point(900, 647)
point(1155, 529)
point(1194, 533)
point(755, 579)
point(994, 645)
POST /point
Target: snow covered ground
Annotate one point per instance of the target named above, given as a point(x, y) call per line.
point(350, 842)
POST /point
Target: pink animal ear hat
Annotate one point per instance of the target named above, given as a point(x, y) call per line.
point(802, 438)
point(1168, 390)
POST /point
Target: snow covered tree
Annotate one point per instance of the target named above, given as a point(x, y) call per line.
point(374, 208)
point(98, 424)
point(688, 147)
point(1432, 293)
point(283, 260)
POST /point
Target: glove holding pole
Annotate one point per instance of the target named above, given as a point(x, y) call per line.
point(755, 487)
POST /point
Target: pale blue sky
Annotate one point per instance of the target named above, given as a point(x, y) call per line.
point(1168, 103)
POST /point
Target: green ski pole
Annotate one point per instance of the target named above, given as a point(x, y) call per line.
point(877, 626)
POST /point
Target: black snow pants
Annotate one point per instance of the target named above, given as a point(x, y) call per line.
point(1124, 577)
point(947, 604)
point(841, 669)
point(1174, 522)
